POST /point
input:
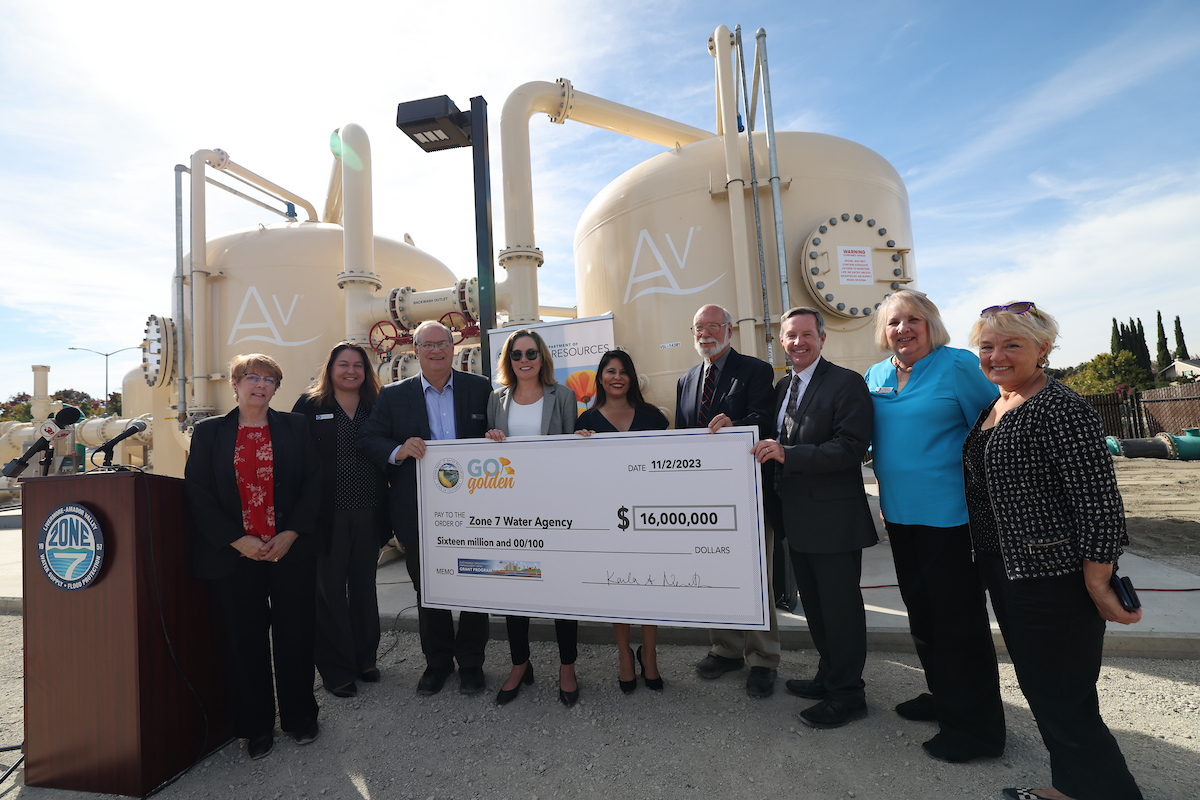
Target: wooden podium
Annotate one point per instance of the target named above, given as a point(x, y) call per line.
point(106, 708)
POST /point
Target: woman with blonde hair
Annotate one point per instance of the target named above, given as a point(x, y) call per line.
point(926, 397)
point(352, 522)
point(1048, 525)
point(531, 403)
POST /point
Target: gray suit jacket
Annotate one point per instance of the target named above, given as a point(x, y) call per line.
point(559, 409)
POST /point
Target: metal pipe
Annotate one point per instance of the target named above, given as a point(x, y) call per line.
point(758, 234)
point(95, 431)
point(521, 257)
point(224, 163)
point(181, 403)
point(760, 55)
point(198, 333)
point(721, 46)
point(357, 280)
point(333, 195)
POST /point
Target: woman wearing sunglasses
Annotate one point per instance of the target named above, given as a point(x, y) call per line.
point(1047, 526)
point(531, 403)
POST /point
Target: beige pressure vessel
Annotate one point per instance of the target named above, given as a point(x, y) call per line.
point(656, 244)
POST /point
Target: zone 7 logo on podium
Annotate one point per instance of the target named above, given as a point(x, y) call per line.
point(71, 547)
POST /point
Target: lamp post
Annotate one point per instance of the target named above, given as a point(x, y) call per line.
point(435, 123)
point(106, 355)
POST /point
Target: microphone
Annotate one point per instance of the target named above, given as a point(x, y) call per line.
point(135, 427)
point(50, 430)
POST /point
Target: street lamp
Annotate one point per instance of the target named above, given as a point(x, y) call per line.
point(435, 123)
point(106, 355)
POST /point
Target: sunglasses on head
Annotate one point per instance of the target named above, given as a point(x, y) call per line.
point(530, 355)
point(1011, 308)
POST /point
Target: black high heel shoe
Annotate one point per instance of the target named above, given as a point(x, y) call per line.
point(568, 698)
point(653, 684)
point(628, 687)
point(508, 695)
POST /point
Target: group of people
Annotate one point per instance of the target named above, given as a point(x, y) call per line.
point(993, 479)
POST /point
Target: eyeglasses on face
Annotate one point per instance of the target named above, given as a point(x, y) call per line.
point(253, 379)
point(1012, 308)
point(530, 355)
point(711, 328)
point(442, 344)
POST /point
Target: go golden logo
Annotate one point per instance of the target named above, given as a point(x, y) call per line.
point(489, 473)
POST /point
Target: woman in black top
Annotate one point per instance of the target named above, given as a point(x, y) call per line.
point(353, 521)
point(1047, 525)
point(619, 406)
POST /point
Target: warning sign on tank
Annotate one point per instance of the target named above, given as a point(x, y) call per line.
point(854, 265)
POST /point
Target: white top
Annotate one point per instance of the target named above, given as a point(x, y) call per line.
point(525, 420)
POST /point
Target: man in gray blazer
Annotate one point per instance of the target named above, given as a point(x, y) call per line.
point(824, 417)
point(440, 403)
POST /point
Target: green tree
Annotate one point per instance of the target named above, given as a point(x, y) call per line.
point(1181, 350)
point(1139, 349)
point(1108, 373)
point(16, 408)
point(114, 403)
point(1116, 338)
point(84, 401)
point(1164, 355)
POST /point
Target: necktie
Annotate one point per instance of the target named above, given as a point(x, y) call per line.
point(789, 416)
point(706, 396)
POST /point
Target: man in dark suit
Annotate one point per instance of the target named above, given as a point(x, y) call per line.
point(440, 403)
point(728, 388)
point(824, 417)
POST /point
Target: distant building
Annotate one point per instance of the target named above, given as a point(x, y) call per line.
point(1182, 368)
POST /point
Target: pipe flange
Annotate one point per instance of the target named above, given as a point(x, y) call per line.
point(518, 252)
point(220, 162)
point(367, 278)
point(1170, 440)
point(564, 110)
point(467, 290)
point(396, 307)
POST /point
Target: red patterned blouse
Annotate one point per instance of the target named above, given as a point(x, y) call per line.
point(253, 462)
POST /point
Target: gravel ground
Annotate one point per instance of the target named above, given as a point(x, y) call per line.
point(698, 738)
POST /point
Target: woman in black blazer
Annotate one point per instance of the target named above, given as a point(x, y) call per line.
point(352, 522)
point(619, 406)
point(252, 478)
point(531, 403)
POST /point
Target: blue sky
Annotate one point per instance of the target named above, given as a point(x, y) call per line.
point(1049, 149)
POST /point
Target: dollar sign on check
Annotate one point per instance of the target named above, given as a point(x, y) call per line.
point(624, 523)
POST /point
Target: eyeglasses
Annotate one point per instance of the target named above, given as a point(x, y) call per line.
point(1012, 308)
point(444, 344)
point(253, 379)
point(530, 355)
point(711, 327)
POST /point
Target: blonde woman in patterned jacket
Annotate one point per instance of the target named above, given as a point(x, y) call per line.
point(1047, 526)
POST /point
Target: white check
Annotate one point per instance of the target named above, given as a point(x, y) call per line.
point(661, 527)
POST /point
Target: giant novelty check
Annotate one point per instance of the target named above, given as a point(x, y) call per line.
point(662, 527)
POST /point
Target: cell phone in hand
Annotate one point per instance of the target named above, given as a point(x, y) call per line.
point(1123, 587)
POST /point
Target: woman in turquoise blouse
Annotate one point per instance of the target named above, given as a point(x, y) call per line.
point(926, 397)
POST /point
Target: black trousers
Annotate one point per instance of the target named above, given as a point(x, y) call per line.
point(566, 631)
point(269, 605)
point(833, 606)
point(347, 605)
point(440, 644)
point(1055, 637)
point(947, 616)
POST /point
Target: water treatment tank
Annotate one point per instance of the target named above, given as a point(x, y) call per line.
point(274, 291)
point(656, 244)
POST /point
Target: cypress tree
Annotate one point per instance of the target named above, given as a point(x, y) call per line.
point(1164, 355)
point(1124, 338)
point(1181, 350)
point(1143, 352)
point(1116, 338)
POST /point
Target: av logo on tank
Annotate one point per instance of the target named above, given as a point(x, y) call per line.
point(663, 272)
point(247, 319)
point(71, 547)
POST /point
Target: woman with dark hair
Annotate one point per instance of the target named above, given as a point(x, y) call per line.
point(1047, 526)
point(352, 521)
point(619, 406)
point(532, 403)
point(252, 479)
